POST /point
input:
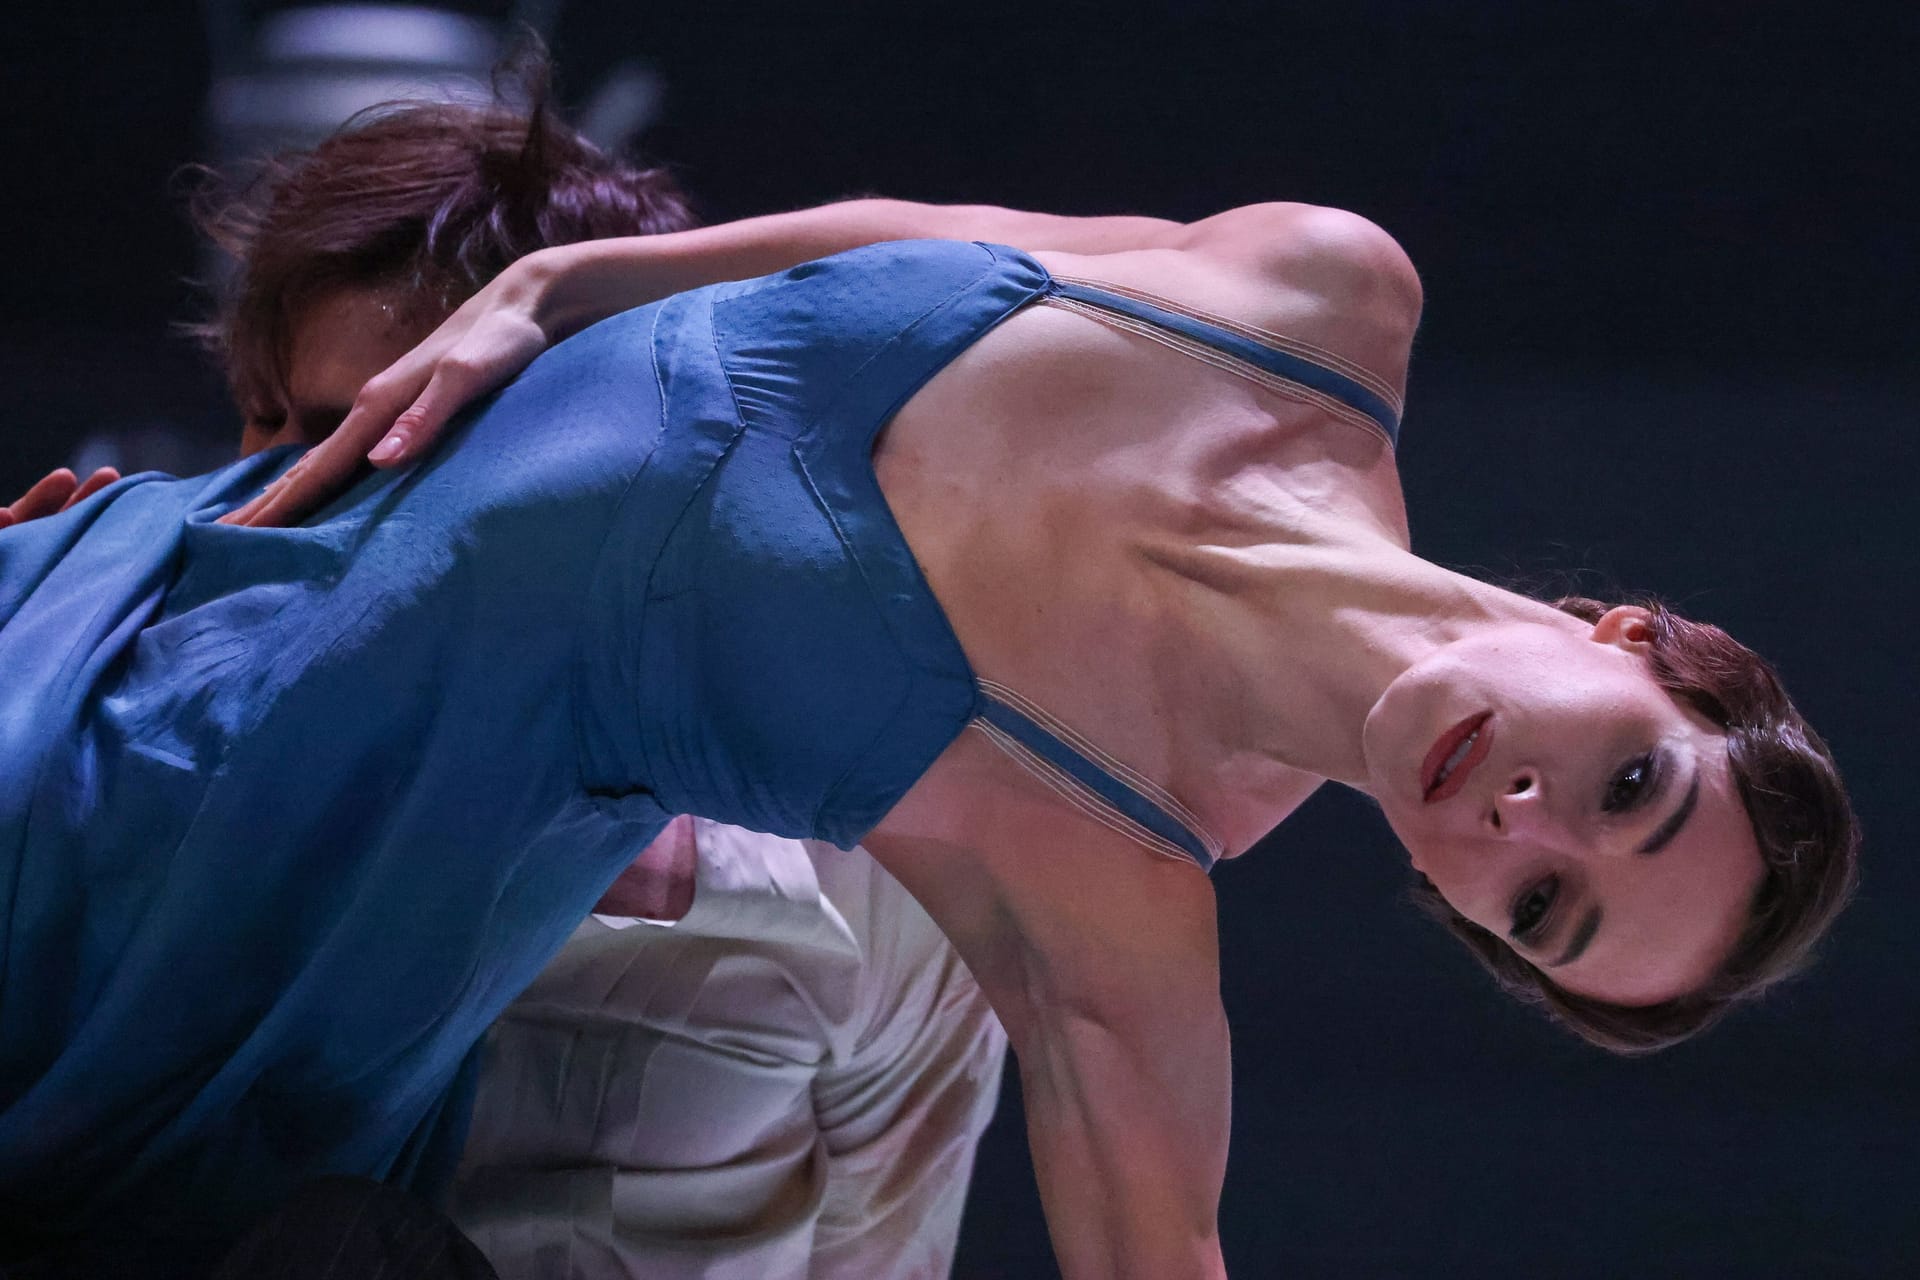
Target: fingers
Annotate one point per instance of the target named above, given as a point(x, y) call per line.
point(400, 414)
point(327, 468)
point(99, 480)
point(322, 472)
point(55, 493)
point(489, 356)
point(397, 439)
point(46, 497)
point(454, 385)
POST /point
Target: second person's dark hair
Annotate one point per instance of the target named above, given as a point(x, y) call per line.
point(434, 198)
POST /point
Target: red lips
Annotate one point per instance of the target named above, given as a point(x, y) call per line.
point(1437, 788)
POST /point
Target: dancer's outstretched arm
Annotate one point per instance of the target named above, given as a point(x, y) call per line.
point(597, 278)
point(550, 294)
point(553, 293)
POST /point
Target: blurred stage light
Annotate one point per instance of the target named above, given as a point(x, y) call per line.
point(289, 77)
point(376, 33)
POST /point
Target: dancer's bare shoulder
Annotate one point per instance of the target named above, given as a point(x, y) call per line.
point(1313, 275)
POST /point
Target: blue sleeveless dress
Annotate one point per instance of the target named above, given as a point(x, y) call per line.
point(288, 816)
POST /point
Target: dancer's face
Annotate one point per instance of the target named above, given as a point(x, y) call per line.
point(1591, 821)
point(344, 338)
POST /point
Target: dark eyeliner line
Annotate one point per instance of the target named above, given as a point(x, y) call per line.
point(1663, 834)
point(1577, 944)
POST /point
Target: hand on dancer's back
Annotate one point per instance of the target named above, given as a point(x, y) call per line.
point(55, 493)
point(398, 414)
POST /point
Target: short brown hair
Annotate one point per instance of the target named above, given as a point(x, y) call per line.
point(434, 198)
point(1801, 817)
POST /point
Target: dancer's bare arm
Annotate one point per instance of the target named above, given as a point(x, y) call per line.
point(1102, 960)
point(1124, 1069)
point(555, 292)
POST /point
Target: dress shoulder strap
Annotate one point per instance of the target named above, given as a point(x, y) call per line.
point(1090, 779)
point(1348, 389)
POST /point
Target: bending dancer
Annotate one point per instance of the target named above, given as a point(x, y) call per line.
point(1057, 573)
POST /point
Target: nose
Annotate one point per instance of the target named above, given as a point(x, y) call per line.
point(1521, 812)
point(1524, 810)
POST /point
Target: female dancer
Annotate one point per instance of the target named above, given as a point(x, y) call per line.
point(1157, 562)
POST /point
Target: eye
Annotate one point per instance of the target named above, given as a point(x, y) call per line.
point(1629, 786)
point(1532, 907)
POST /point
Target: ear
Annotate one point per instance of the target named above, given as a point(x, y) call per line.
point(1627, 626)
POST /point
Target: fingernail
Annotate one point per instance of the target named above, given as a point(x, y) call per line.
point(387, 450)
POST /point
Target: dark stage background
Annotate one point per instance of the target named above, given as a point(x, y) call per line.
point(1669, 343)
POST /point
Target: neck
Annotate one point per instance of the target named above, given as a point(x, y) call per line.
point(1313, 634)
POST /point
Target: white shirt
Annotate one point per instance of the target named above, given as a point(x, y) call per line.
point(789, 1081)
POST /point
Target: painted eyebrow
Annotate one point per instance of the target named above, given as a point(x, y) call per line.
point(1664, 833)
point(1581, 939)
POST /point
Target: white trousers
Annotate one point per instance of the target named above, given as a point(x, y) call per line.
point(790, 1081)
